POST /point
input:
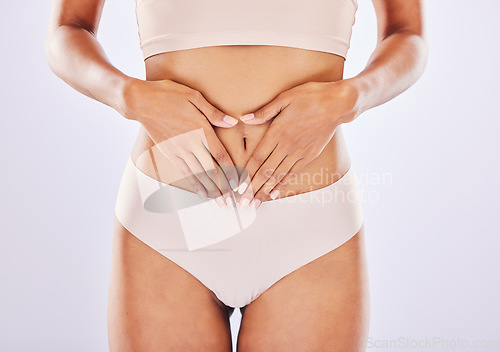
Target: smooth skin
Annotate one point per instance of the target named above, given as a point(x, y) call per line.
point(306, 117)
point(154, 305)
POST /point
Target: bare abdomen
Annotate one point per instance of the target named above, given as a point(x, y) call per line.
point(241, 79)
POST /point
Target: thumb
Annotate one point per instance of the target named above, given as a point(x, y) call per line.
point(218, 118)
point(265, 113)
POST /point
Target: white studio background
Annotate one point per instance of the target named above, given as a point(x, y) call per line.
point(427, 163)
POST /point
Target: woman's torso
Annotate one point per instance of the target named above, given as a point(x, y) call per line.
point(239, 79)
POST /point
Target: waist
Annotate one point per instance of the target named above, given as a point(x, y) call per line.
point(240, 79)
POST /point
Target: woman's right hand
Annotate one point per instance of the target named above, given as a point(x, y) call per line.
point(179, 121)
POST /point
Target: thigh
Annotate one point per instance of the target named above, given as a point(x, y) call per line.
point(322, 306)
point(155, 305)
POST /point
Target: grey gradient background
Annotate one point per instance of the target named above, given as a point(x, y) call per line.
point(432, 235)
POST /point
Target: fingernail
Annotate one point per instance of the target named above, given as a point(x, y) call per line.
point(247, 117)
point(201, 194)
point(233, 184)
point(255, 203)
point(274, 194)
point(230, 120)
point(244, 203)
point(242, 188)
point(220, 202)
point(229, 202)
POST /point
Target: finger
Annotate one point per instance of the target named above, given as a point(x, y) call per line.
point(227, 192)
point(247, 196)
point(215, 173)
point(179, 174)
point(199, 172)
point(291, 175)
point(187, 178)
point(185, 147)
point(221, 157)
point(261, 176)
point(267, 169)
point(213, 115)
point(267, 112)
point(258, 157)
point(243, 181)
point(207, 164)
point(265, 191)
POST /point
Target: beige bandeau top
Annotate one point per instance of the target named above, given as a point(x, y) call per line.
point(171, 25)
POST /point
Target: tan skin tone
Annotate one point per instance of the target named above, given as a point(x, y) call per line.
point(154, 305)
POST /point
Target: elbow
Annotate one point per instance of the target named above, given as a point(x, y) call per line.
point(417, 44)
point(48, 50)
point(53, 49)
point(53, 46)
point(46, 47)
point(412, 45)
point(421, 54)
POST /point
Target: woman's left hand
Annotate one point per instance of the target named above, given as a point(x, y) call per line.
point(306, 117)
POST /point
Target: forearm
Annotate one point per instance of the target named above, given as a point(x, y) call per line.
point(397, 63)
point(75, 55)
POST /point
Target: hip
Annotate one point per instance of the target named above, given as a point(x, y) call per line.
point(155, 211)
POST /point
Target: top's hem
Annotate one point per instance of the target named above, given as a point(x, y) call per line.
point(168, 43)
